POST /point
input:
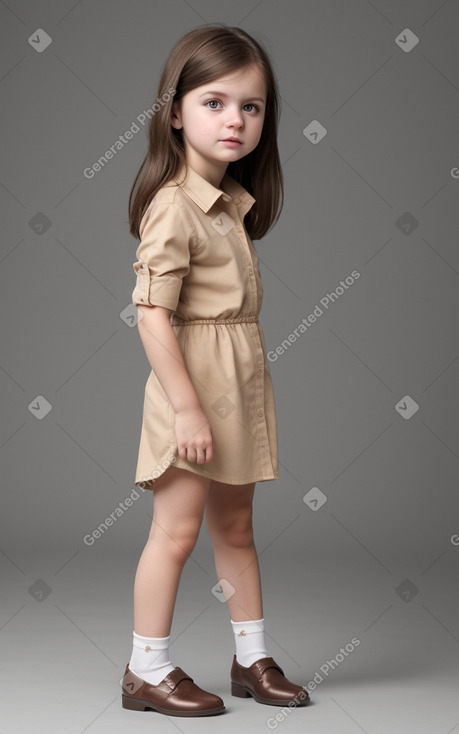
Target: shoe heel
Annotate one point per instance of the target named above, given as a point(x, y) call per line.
point(239, 691)
point(132, 703)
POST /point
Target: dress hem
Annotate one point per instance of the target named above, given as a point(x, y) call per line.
point(148, 484)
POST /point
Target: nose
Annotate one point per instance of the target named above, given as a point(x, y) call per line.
point(234, 119)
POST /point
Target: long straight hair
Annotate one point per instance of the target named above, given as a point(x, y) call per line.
point(201, 56)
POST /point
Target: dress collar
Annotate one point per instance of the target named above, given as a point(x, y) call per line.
point(204, 194)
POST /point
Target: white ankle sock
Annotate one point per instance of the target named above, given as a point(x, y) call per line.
point(250, 641)
point(150, 658)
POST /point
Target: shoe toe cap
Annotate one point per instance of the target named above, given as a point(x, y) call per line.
point(191, 696)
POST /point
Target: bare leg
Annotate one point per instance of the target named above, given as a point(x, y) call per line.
point(229, 522)
point(179, 501)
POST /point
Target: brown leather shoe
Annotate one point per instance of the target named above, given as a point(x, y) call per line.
point(175, 695)
point(264, 680)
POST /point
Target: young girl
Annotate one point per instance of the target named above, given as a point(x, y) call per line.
point(209, 422)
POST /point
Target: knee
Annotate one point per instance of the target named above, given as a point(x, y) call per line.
point(178, 543)
point(236, 532)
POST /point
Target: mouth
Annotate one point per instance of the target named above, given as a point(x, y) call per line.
point(231, 140)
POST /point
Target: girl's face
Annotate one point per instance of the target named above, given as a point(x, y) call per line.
point(230, 106)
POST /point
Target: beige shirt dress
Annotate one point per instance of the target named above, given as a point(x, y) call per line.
point(196, 258)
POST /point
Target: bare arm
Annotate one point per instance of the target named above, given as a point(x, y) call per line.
point(194, 438)
point(165, 357)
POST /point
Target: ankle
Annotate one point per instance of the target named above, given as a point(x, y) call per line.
point(249, 637)
point(150, 658)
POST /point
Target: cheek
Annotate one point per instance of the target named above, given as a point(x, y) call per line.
point(260, 126)
point(255, 129)
point(204, 125)
point(201, 122)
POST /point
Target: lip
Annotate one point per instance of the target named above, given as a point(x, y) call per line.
point(231, 140)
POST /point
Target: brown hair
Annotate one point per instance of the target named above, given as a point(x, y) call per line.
point(200, 56)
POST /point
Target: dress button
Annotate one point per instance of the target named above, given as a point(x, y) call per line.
point(259, 373)
point(250, 270)
point(260, 413)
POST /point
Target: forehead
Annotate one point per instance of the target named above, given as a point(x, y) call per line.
point(249, 80)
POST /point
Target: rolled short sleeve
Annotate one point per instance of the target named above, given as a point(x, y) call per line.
point(163, 255)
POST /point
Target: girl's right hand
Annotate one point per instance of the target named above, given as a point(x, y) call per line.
point(194, 437)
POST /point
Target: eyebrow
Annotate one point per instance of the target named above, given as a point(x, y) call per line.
point(222, 94)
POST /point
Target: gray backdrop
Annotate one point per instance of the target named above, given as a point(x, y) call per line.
point(359, 538)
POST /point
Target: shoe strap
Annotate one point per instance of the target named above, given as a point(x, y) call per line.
point(173, 678)
point(265, 663)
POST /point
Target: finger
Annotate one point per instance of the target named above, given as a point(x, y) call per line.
point(201, 456)
point(191, 455)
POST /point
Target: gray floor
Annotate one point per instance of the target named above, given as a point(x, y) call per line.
point(64, 646)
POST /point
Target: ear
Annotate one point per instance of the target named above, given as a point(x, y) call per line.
point(176, 115)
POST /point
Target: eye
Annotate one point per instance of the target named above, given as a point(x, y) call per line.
point(212, 100)
point(249, 104)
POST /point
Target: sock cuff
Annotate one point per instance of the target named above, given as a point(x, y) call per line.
point(249, 626)
point(156, 643)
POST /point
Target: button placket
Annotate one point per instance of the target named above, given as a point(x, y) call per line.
point(261, 426)
point(262, 430)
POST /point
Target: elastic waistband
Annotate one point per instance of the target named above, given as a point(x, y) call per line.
point(177, 321)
